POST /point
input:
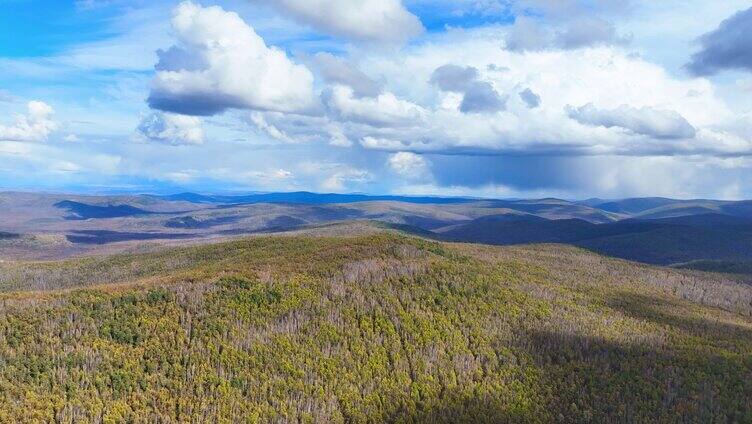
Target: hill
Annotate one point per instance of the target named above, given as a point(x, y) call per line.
point(652, 230)
point(372, 328)
point(665, 241)
point(84, 211)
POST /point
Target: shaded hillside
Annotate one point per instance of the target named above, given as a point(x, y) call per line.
point(738, 208)
point(658, 207)
point(380, 328)
point(104, 237)
point(664, 241)
point(190, 222)
point(519, 230)
point(634, 206)
point(668, 244)
point(557, 209)
point(705, 220)
point(727, 267)
point(85, 211)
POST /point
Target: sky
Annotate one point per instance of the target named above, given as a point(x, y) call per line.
point(487, 98)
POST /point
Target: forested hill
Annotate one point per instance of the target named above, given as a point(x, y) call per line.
point(373, 328)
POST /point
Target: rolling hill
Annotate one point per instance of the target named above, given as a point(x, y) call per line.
point(370, 328)
point(651, 230)
point(666, 241)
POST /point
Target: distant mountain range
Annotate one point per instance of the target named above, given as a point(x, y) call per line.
point(708, 234)
point(665, 241)
point(308, 198)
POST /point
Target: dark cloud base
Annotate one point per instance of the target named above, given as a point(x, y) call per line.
point(727, 47)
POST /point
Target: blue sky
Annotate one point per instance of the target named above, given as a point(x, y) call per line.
point(500, 98)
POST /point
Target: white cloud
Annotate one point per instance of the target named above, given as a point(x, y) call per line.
point(338, 138)
point(295, 128)
point(529, 34)
point(420, 108)
point(531, 99)
point(456, 78)
point(274, 175)
point(53, 160)
point(334, 176)
point(336, 70)
point(665, 124)
point(182, 177)
point(64, 166)
point(367, 20)
point(478, 96)
point(744, 84)
point(270, 178)
point(171, 128)
point(607, 77)
point(342, 180)
point(409, 165)
point(526, 34)
point(481, 97)
point(386, 110)
point(382, 143)
point(221, 63)
point(389, 101)
point(259, 121)
point(36, 125)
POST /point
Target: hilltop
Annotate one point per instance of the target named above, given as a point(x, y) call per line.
point(371, 328)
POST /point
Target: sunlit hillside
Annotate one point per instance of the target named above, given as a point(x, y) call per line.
point(371, 328)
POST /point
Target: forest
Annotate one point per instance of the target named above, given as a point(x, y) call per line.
point(372, 328)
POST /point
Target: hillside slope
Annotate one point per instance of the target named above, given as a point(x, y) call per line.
point(378, 328)
point(666, 241)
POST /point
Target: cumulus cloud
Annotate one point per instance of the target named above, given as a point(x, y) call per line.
point(378, 143)
point(662, 124)
point(568, 9)
point(386, 110)
point(435, 106)
point(478, 96)
point(270, 175)
point(409, 165)
point(297, 128)
point(36, 125)
point(531, 99)
point(587, 32)
point(221, 63)
point(338, 138)
point(333, 176)
point(260, 122)
point(171, 128)
point(452, 77)
point(727, 47)
point(340, 180)
point(482, 98)
point(366, 20)
point(337, 70)
point(604, 76)
point(528, 34)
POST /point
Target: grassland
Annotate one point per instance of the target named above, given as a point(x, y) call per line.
point(372, 328)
